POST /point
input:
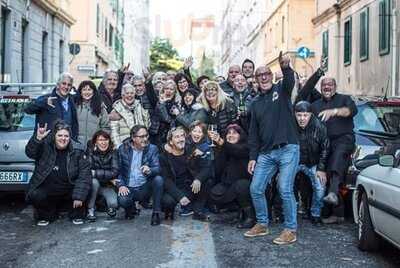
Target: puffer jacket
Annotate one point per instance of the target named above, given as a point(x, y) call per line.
point(150, 158)
point(104, 165)
point(224, 117)
point(314, 144)
point(78, 165)
point(191, 114)
point(90, 123)
point(129, 117)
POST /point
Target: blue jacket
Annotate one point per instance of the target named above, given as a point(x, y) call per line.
point(47, 114)
point(150, 158)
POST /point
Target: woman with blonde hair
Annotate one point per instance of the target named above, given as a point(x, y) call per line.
point(127, 112)
point(168, 108)
point(220, 108)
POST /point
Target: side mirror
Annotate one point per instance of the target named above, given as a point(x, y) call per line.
point(386, 160)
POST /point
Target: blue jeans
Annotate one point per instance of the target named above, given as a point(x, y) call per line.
point(153, 187)
point(286, 160)
point(318, 189)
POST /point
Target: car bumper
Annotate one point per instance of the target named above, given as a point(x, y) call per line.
point(16, 186)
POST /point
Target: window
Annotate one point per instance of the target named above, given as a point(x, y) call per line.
point(45, 48)
point(110, 38)
point(105, 31)
point(364, 34)
point(61, 57)
point(3, 39)
point(325, 45)
point(347, 42)
point(384, 27)
point(24, 49)
point(98, 19)
point(283, 29)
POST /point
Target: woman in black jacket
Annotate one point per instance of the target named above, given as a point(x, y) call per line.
point(221, 109)
point(191, 110)
point(234, 180)
point(104, 168)
point(61, 173)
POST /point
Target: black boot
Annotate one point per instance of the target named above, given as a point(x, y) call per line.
point(155, 219)
point(249, 219)
point(169, 214)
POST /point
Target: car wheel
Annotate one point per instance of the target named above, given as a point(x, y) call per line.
point(368, 240)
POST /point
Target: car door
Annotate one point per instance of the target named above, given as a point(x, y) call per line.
point(384, 200)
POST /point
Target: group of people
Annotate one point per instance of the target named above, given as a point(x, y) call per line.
point(163, 141)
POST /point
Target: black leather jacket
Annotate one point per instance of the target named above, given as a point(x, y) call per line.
point(314, 144)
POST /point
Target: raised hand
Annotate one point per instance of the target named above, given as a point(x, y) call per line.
point(188, 62)
point(146, 72)
point(125, 68)
point(42, 132)
point(284, 60)
point(324, 63)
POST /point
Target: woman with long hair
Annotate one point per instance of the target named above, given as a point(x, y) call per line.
point(220, 108)
point(91, 112)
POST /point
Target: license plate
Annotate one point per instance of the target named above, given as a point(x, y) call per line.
point(13, 176)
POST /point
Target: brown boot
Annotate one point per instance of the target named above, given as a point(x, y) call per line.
point(257, 230)
point(286, 237)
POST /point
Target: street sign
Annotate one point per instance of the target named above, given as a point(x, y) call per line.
point(74, 49)
point(303, 52)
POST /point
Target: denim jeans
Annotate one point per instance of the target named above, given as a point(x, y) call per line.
point(108, 193)
point(318, 189)
point(153, 187)
point(286, 160)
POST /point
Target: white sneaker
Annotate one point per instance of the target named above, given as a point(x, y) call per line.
point(42, 223)
point(77, 221)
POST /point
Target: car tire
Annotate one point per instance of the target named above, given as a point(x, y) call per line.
point(368, 240)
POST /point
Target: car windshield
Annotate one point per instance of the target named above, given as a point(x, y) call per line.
point(378, 118)
point(12, 115)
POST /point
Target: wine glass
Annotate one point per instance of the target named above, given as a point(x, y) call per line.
point(212, 128)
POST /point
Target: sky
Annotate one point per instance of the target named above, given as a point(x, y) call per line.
point(172, 19)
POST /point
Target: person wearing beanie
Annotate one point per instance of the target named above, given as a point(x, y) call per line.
point(314, 151)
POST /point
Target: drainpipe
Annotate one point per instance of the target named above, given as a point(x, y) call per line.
point(395, 48)
point(338, 41)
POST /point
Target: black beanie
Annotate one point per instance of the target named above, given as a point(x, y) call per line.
point(302, 107)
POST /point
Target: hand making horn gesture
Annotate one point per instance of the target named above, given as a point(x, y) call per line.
point(284, 60)
point(42, 132)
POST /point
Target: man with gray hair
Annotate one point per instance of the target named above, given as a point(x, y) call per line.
point(56, 105)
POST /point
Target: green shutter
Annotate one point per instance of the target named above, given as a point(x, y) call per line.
point(384, 27)
point(347, 41)
point(325, 45)
point(364, 35)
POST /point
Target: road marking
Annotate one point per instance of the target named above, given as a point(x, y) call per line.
point(192, 245)
point(95, 251)
point(99, 241)
point(101, 229)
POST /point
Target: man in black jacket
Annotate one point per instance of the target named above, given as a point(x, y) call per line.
point(185, 175)
point(62, 172)
point(314, 151)
point(227, 86)
point(273, 143)
point(56, 106)
point(336, 112)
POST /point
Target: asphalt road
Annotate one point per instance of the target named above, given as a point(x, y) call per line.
point(183, 243)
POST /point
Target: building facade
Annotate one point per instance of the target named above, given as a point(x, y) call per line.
point(360, 38)
point(99, 32)
point(34, 38)
point(136, 34)
point(242, 33)
point(288, 27)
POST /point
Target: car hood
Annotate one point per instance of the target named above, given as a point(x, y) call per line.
point(369, 145)
point(12, 146)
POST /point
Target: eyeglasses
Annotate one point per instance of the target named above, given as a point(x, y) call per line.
point(264, 74)
point(142, 136)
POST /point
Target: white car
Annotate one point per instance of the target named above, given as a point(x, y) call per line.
point(376, 203)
